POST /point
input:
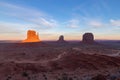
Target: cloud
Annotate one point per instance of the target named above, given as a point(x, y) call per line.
point(19, 11)
point(99, 24)
point(46, 23)
point(73, 23)
point(35, 17)
point(6, 27)
point(96, 24)
point(115, 22)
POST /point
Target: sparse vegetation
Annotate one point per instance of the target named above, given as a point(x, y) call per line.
point(99, 77)
point(78, 59)
point(45, 77)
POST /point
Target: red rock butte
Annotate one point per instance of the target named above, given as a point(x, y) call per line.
point(88, 38)
point(32, 36)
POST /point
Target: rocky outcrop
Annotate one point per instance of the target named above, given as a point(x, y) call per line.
point(61, 39)
point(88, 38)
point(32, 36)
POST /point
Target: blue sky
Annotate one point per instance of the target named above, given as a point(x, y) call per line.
point(51, 18)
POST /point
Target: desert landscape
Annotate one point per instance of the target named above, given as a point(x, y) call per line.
point(60, 60)
point(59, 39)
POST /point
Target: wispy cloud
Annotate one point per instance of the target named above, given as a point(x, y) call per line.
point(6, 27)
point(115, 22)
point(35, 17)
point(45, 23)
point(73, 23)
point(96, 24)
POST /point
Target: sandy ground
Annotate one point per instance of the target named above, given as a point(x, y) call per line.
point(56, 61)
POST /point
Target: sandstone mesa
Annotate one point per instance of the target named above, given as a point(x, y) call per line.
point(32, 36)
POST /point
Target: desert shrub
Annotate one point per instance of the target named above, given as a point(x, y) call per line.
point(99, 77)
point(9, 77)
point(55, 66)
point(25, 74)
point(112, 77)
point(64, 77)
point(58, 79)
point(118, 79)
point(70, 78)
point(23, 54)
point(45, 77)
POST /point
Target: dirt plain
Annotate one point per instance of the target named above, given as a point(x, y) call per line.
point(59, 61)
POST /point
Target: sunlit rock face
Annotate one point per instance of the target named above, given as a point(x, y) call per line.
point(88, 38)
point(32, 36)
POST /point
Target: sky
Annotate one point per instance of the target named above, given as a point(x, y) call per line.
point(52, 18)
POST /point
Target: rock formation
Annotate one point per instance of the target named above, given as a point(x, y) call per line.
point(61, 39)
point(88, 38)
point(32, 36)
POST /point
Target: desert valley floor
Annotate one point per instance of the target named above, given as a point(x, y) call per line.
point(60, 61)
